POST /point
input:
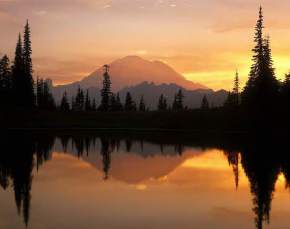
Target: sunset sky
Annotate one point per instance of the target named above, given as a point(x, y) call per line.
point(204, 40)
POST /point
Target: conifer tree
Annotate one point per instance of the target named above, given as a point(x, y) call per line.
point(5, 73)
point(79, 100)
point(129, 103)
point(236, 90)
point(204, 103)
point(73, 104)
point(27, 68)
point(233, 99)
point(261, 90)
point(17, 74)
point(106, 90)
point(94, 105)
point(174, 104)
point(162, 103)
point(5, 83)
point(88, 102)
point(119, 103)
point(178, 101)
point(113, 103)
point(64, 104)
point(142, 106)
point(44, 97)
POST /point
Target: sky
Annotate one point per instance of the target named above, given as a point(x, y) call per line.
point(206, 40)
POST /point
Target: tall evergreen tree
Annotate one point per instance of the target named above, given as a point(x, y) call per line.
point(17, 74)
point(142, 106)
point(79, 100)
point(162, 103)
point(178, 101)
point(73, 104)
point(233, 99)
point(113, 103)
point(88, 102)
point(129, 103)
point(236, 89)
point(27, 67)
point(64, 104)
point(5, 73)
point(94, 105)
point(119, 103)
point(204, 103)
point(44, 97)
point(106, 90)
point(261, 90)
point(174, 104)
point(5, 83)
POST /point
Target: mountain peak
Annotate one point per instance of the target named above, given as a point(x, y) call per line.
point(133, 70)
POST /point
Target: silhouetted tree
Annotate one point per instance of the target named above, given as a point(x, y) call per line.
point(233, 99)
point(178, 101)
point(204, 103)
point(106, 155)
point(5, 73)
point(28, 98)
point(236, 90)
point(106, 91)
point(5, 83)
point(114, 106)
point(44, 97)
point(18, 74)
point(260, 94)
point(79, 102)
point(88, 102)
point(129, 103)
point(142, 106)
point(64, 104)
point(94, 105)
point(119, 103)
point(162, 103)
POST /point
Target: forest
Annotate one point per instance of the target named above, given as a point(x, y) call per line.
point(264, 102)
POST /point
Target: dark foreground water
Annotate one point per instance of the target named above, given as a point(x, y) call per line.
point(94, 180)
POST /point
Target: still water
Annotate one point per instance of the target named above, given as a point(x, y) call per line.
point(112, 181)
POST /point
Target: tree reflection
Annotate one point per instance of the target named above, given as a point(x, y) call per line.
point(262, 160)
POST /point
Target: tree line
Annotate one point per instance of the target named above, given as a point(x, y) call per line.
point(18, 89)
point(262, 96)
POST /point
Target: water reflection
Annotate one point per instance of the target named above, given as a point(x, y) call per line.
point(262, 161)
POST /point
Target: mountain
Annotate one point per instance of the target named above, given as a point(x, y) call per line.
point(192, 98)
point(148, 160)
point(129, 71)
point(151, 93)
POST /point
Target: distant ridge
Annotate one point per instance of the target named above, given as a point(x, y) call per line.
point(152, 91)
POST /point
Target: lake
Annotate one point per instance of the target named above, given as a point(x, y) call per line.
point(133, 180)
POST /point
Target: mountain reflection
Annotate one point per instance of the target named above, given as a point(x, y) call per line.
point(262, 160)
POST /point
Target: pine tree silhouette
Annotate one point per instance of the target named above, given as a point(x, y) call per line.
point(27, 67)
point(5, 83)
point(204, 103)
point(142, 106)
point(178, 101)
point(162, 103)
point(106, 90)
point(64, 104)
point(261, 90)
point(129, 103)
point(88, 102)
